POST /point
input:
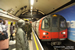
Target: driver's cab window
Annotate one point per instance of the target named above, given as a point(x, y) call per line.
point(45, 23)
point(62, 22)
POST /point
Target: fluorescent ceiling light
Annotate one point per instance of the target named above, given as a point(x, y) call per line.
point(3, 11)
point(32, 2)
point(31, 7)
point(7, 16)
point(32, 18)
point(31, 10)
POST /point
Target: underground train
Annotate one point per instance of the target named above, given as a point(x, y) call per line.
point(51, 28)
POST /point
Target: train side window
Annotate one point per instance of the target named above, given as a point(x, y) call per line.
point(45, 23)
point(62, 22)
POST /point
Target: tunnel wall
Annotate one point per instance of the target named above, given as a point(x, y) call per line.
point(69, 15)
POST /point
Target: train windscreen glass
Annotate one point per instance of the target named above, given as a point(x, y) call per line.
point(45, 23)
point(62, 23)
point(54, 21)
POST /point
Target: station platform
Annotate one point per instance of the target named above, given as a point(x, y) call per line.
point(34, 43)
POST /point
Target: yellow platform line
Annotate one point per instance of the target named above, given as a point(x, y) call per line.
point(35, 42)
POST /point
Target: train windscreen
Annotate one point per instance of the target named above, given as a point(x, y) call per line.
point(62, 23)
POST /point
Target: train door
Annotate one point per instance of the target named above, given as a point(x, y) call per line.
point(54, 29)
point(37, 27)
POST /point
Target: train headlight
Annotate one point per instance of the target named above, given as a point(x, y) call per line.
point(45, 33)
point(62, 32)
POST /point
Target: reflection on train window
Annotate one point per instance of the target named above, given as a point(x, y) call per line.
point(62, 23)
point(45, 23)
point(54, 21)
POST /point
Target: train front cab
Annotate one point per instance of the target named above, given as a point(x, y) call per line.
point(53, 28)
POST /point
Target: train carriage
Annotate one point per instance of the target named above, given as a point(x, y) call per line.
point(51, 28)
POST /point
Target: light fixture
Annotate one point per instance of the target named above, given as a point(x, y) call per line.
point(45, 33)
point(32, 2)
point(62, 32)
point(31, 7)
point(32, 18)
point(31, 10)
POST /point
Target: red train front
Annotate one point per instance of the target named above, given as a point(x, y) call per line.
point(51, 28)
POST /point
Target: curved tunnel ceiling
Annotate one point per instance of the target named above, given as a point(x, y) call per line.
point(45, 6)
point(49, 5)
point(14, 4)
